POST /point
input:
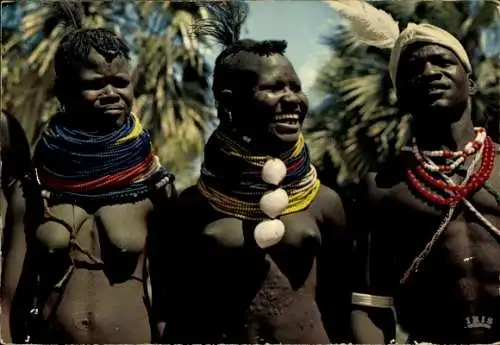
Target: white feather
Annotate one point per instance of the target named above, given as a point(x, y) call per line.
point(369, 25)
point(497, 3)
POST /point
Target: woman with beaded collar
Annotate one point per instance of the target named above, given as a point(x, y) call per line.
point(254, 225)
point(429, 238)
point(88, 278)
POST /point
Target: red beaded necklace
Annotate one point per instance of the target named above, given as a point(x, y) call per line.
point(420, 172)
point(485, 151)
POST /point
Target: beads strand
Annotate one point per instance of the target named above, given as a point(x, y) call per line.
point(458, 192)
point(267, 187)
point(442, 227)
point(458, 156)
point(484, 149)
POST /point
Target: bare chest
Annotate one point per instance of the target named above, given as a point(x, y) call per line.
point(115, 228)
point(236, 233)
point(466, 242)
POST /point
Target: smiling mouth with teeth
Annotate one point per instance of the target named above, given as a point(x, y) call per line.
point(286, 118)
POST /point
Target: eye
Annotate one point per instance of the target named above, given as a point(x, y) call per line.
point(93, 84)
point(441, 61)
point(296, 87)
point(445, 62)
point(119, 82)
point(272, 86)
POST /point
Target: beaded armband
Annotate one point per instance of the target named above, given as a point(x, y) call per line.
point(367, 300)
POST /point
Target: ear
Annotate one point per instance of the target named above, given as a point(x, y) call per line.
point(225, 105)
point(472, 86)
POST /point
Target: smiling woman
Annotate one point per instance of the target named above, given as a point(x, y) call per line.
point(280, 100)
point(279, 105)
point(263, 240)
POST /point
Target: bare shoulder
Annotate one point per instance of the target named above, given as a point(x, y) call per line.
point(190, 199)
point(332, 207)
point(388, 178)
point(193, 208)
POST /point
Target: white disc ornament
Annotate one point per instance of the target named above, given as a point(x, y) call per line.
point(269, 232)
point(273, 203)
point(274, 171)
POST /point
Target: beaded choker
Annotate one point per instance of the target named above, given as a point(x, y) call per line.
point(257, 187)
point(77, 166)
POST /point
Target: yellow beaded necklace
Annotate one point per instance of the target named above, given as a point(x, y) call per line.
point(244, 203)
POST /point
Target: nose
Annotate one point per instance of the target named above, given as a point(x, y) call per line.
point(291, 102)
point(290, 95)
point(108, 95)
point(427, 74)
point(430, 70)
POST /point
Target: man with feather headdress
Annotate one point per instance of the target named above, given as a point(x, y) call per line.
point(18, 194)
point(429, 227)
point(263, 248)
point(86, 277)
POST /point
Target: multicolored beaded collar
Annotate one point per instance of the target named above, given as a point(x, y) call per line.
point(77, 166)
point(257, 187)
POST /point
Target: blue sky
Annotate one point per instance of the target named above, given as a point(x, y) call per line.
point(301, 23)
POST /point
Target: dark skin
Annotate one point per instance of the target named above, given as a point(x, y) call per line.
point(227, 289)
point(16, 193)
point(458, 283)
point(104, 300)
point(276, 91)
point(105, 94)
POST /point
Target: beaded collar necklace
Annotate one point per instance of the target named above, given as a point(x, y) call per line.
point(247, 186)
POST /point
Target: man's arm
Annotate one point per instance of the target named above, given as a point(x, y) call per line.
point(372, 316)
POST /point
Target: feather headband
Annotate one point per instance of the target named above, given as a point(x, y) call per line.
point(377, 28)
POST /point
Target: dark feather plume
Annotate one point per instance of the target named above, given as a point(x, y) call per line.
point(70, 11)
point(225, 22)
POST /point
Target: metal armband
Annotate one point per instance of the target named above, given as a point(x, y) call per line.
point(367, 300)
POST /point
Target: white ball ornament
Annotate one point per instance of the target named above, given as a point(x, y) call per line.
point(269, 232)
point(274, 171)
point(273, 203)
